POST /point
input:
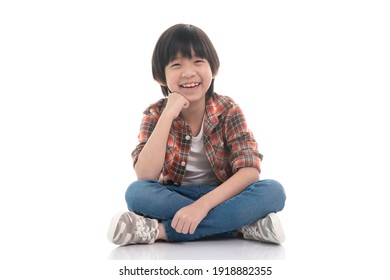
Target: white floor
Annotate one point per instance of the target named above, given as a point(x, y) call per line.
point(222, 249)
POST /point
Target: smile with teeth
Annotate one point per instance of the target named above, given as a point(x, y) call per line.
point(190, 85)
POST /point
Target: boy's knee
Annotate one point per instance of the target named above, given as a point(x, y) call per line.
point(277, 193)
point(135, 193)
point(278, 188)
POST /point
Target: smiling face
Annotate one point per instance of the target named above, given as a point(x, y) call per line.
point(183, 59)
point(190, 77)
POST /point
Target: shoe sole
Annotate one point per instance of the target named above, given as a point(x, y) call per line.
point(114, 225)
point(277, 226)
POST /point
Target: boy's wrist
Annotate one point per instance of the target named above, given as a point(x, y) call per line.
point(166, 116)
point(204, 203)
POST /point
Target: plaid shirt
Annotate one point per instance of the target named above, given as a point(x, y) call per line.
point(228, 143)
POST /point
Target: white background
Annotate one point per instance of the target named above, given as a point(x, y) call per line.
point(311, 76)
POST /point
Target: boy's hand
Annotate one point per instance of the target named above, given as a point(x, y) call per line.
point(176, 103)
point(187, 219)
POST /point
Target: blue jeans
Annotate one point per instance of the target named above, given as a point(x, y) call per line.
point(153, 200)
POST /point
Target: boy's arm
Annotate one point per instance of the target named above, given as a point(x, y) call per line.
point(188, 218)
point(151, 159)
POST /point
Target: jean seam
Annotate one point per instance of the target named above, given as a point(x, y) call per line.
point(167, 231)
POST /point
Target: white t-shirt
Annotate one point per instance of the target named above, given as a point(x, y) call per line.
point(199, 170)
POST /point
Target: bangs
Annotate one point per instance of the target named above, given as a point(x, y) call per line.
point(186, 44)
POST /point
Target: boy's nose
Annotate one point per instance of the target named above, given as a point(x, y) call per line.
point(188, 72)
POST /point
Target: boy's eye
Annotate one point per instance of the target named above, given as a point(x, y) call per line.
point(174, 65)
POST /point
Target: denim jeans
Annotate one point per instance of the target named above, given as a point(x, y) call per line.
point(153, 200)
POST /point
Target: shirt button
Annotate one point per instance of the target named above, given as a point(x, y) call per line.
point(183, 163)
point(188, 137)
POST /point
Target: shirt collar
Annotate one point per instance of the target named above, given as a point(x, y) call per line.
point(216, 105)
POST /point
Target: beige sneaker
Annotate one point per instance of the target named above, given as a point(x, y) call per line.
point(268, 229)
point(129, 228)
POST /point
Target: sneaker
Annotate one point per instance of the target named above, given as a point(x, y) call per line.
point(268, 229)
point(129, 228)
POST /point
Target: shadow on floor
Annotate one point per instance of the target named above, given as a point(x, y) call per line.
point(222, 249)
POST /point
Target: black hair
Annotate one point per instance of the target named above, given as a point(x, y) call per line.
point(182, 39)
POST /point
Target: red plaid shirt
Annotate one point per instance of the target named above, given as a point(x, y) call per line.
point(228, 143)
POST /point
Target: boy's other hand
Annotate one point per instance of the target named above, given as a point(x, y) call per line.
point(187, 219)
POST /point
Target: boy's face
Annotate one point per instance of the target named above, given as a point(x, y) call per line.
point(190, 77)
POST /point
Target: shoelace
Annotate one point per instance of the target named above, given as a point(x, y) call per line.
point(143, 231)
point(253, 230)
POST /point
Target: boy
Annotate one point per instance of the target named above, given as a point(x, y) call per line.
point(197, 163)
